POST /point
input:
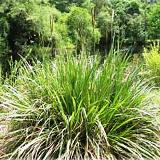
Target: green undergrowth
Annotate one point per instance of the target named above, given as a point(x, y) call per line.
point(152, 63)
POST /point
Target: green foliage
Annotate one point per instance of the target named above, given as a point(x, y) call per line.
point(64, 5)
point(4, 56)
point(81, 29)
point(104, 22)
point(4, 28)
point(36, 13)
point(153, 19)
point(122, 21)
point(78, 108)
point(2, 46)
point(129, 21)
point(65, 42)
point(30, 23)
point(88, 24)
point(152, 62)
point(99, 5)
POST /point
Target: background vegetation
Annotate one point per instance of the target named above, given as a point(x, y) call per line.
point(39, 28)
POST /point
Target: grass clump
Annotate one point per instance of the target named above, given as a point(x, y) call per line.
point(75, 107)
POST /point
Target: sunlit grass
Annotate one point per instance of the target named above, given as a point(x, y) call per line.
point(152, 62)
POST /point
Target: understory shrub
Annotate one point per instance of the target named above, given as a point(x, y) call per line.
point(77, 107)
point(152, 62)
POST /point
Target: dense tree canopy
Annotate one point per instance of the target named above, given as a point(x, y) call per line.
point(81, 29)
point(154, 21)
point(49, 25)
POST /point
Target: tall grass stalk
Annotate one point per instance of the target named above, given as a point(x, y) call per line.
point(77, 108)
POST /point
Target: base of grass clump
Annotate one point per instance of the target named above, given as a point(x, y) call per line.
point(78, 108)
